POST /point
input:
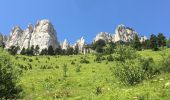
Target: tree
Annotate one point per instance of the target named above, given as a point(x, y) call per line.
point(109, 48)
point(44, 51)
point(98, 46)
point(13, 50)
point(32, 50)
point(70, 51)
point(37, 50)
point(23, 51)
point(153, 42)
point(161, 40)
point(8, 78)
point(50, 50)
point(58, 51)
point(99, 43)
point(76, 49)
point(137, 44)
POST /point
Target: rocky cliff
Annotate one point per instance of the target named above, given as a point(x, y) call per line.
point(122, 33)
point(80, 44)
point(103, 36)
point(43, 35)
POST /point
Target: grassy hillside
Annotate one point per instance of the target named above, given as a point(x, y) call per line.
point(42, 78)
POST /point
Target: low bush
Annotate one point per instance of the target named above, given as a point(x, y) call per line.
point(110, 58)
point(131, 68)
point(78, 68)
point(165, 63)
point(84, 60)
point(130, 72)
point(122, 52)
point(8, 78)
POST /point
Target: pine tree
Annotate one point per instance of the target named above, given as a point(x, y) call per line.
point(13, 50)
point(58, 51)
point(50, 50)
point(153, 42)
point(23, 51)
point(37, 50)
point(161, 40)
point(137, 44)
point(76, 49)
point(70, 51)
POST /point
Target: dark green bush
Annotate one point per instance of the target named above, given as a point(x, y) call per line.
point(84, 60)
point(123, 52)
point(110, 58)
point(129, 72)
point(131, 68)
point(78, 68)
point(8, 78)
point(165, 63)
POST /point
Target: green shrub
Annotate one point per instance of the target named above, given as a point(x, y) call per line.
point(165, 62)
point(65, 69)
point(110, 58)
point(72, 63)
point(8, 78)
point(129, 72)
point(123, 52)
point(78, 68)
point(130, 67)
point(30, 60)
point(84, 60)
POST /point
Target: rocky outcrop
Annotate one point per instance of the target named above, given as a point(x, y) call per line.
point(123, 33)
point(80, 44)
point(103, 36)
point(65, 45)
point(43, 35)
point(15, 38)
point(143, 39)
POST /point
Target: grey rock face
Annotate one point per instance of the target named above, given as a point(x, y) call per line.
point(123, 33)
point(143, 39)
point(65, 45)
point(15, 38)
point(80, 44)
point(42, 35)
point(103, 36)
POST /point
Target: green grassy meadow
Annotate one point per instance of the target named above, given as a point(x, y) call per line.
point(42, 79)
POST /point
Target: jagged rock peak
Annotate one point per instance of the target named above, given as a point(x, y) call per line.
point(65, 45)
point(43, 35)
point(29, 28)
point(44, 26)
point(103, 36)
point(123, 33)
point(16, 30)
point(80, 44)
point(143, 39)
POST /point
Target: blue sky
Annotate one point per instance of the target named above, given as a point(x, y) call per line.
point(75, 18)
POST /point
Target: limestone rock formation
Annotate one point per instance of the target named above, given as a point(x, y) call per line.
point(103, 36)
point(43, 35)
point(65, 45)
point(123, 33)
point(80, 44)
point(15, 38)
point(143, 39)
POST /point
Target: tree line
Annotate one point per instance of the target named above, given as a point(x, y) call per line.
point(100, 46)
point(35, 50)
